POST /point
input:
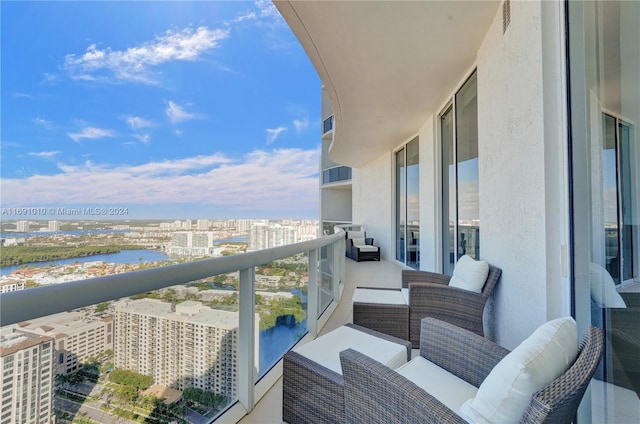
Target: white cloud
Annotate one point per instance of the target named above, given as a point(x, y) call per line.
point(264, 13)
point(44, 123)
point(262, 180)
point(136, 122)
point(134, 64)
point(143, 138)
point(301, 125)
point(177, 114)
point(274, 133)
point(268, 12)
point(44, 154)
point(91, 133)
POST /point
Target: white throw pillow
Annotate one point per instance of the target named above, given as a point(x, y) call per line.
point(358, 241)
point(603, 289)
point(469, 274)
point(504, 395)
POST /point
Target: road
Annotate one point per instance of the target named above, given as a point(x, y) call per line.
point(92, 409)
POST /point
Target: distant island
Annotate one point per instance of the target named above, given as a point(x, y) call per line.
point(18, 255)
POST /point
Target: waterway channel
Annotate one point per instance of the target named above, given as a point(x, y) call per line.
point(122, 257)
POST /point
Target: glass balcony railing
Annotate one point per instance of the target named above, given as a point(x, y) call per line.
point(336, 174)
point(327, 125)
point(201, 341)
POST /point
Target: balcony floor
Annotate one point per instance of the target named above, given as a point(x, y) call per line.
point(370, 273)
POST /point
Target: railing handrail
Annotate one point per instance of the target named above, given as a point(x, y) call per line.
point(36, 302)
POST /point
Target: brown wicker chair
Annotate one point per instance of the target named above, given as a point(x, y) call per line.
point(377, 394)
point(431, 296)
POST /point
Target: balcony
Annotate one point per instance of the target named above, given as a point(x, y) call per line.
point(324, 291)
point(336, 174)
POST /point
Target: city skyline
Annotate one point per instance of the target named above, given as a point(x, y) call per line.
point(188, 108)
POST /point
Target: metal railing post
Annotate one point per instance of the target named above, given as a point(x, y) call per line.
point(338, 254)
point(313, 293)
point(246, 365)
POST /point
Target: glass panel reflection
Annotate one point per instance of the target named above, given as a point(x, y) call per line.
point(281, 304)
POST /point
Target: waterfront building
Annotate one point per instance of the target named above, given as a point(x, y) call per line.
point(53, 226)
point(77, 336)
point(266, 235)
point(26, 361)
point(22, 226)
point(8, 284)
point(180, 345)
point(193, 243)
point(203, 224)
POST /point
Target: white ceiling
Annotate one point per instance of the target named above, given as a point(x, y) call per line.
point(386, 65)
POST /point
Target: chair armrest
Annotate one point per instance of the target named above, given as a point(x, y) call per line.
point(461, 352)
point(431, 294)
point(411, 276)
point(369, 241)
point(374, 393)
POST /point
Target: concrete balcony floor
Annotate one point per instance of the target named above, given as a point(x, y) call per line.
point(369, 273)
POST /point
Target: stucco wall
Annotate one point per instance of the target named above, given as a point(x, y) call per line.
point(521, 219)
point(373, 201)
point(336, 204)
point(430, 205)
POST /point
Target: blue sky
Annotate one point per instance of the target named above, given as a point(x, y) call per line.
point(204, 109)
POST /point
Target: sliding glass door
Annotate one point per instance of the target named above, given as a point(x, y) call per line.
point(605, 184)
point(407, 163)
point(618, 197)
point(460, 188)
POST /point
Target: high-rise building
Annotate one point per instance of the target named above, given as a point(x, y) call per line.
point(77, 337)
point(22, 226)
point(266, 236)
point(203, 224)
point(26, 361)
point(183, 345)
point(54, 225)
point(192, 243)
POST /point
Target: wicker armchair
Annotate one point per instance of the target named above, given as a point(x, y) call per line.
point(360, 247)
point(377, 394)
point(431, 296)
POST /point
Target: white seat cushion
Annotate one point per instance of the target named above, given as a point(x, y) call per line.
point(325, 350)
point(439, 383)
point(469, 274)
point(367, 248)
point(541, 358)
point(386, 297)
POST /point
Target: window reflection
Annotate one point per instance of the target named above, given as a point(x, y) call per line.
point(605, 110)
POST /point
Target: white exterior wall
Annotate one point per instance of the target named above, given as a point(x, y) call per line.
point(430, 204)
point(336, 204)
point(373, 202)
point(522, 167)
point(522, 213)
